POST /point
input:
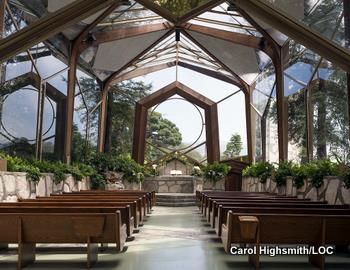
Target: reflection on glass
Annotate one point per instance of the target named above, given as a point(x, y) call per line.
point(180, 7)
point(297, 127)
point(330, 118)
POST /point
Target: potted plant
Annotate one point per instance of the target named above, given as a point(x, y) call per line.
point(214, 175)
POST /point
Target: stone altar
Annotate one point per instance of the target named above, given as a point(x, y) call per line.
point(173, 184)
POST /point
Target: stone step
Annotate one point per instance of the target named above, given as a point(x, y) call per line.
point(176, 204)
point(176, 199)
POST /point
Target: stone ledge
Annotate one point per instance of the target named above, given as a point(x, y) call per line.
point(14, 186)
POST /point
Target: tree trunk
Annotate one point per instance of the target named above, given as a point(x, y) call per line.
point(321, 135)
point(108, 141)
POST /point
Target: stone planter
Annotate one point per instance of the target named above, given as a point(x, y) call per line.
point(14, 186)
point(332, 190)
point(209, 185)
point(132, 186)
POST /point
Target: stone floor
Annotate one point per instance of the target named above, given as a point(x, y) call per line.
point(172, 238)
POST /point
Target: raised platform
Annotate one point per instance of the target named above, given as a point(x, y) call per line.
point(176, 199)
point(172, 184)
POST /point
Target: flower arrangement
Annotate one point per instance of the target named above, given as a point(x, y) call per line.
point(216, 171)
point(196, 171)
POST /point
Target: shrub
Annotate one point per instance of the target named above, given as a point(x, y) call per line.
point(283, 170)
point(216, 171)
point(98, 181)
point(262, 170)
point(343, 172)
point(132, 171)
point(299, 175)
point(318, 170)
point(16, 164)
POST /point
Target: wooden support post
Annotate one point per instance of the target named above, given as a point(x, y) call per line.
point(40, 121)
point(212, 134)
point(26, 251)
point(92, 253)
point(102, 119)
point(282, 113)
point(139, 141)
point(250, 127)
point(73, 60)
point(319, 259)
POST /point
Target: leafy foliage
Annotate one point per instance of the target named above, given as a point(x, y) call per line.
point(318, 170)
point(315, 171)
point(262, 170)
point(216, 171)
point(281, 173)
point(131, 170)
point(34, 168)
point(234, 146)
point(16, 164)
point(299, 175)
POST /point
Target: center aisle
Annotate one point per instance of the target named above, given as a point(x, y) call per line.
point(175, 238)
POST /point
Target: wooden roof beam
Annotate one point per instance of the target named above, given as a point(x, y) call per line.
point(49, 26)
point(237, 38)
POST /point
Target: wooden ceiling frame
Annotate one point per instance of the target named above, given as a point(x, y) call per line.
point(176, 88)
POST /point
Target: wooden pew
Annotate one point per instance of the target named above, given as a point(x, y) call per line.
point(205, 195)
point(145, 198)
point(139, 207)
point(205, 201)
point(151, 195)
point(208, 206)
point(125, 213)
point(281, 229)
point(218, 218)
point(85, 204)
point(27, 230)
point(144, 203)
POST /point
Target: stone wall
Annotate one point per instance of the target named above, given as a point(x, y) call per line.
point(219, 185)
point(172, 184)
point(332, 190)
point(14, 186)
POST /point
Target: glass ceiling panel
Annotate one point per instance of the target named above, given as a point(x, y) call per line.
point(222, 18)
point(323, 16)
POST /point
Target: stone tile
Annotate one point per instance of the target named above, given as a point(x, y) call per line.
point(312, 194)
point(175, 188)
point(41, 187)
point(163, 188)
point(9, 184)
point(22, 187)
point(289, 186)
point(345, 195)
point(332, 190)
point(2, 193)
